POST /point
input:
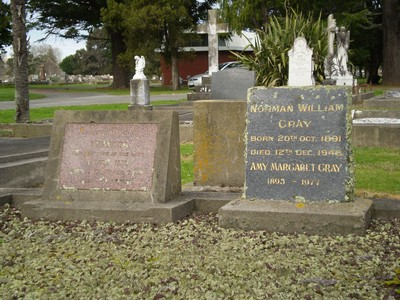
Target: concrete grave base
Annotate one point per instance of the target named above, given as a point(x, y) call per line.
point(290, 217)
point(123, 211)
point(376, 135)
point(119, 212)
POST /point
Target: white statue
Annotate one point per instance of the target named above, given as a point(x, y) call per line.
point(140, 63)
point(343, 42)
point(330, 61)
point(336, 63)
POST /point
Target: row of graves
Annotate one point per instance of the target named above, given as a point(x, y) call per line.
point(274, 159)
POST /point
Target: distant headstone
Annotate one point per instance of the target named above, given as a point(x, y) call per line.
point(232, 84)
point(201, 92)
point(392, 94)
point(212, 28)
point(140, 87)
point(42, 73)
point(300, 64)
point(298, 144)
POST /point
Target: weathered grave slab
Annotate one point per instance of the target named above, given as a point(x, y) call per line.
point(110, 161)
point(232, 84)
point(93, 159)
point(298, 144)
point(218, 136)
point(107, 153)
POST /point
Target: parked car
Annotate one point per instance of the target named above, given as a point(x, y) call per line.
point(196, 80)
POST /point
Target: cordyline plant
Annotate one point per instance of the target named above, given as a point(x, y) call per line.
point(270, 59)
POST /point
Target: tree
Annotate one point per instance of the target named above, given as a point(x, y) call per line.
point(20, 60)
point(70, 65)
point(144, 25)
point(5, 25)
point(70, 18)
point(391, 42)
point(165, 25)
point(45, 57)
point(243, 14)
point(94, 60)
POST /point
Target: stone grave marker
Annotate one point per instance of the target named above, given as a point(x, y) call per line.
point(212, 28)
point(299, 169)
point(94, 155)
point(300, 64)
point(140, 86)
point(232, 83)
point(298, 144)
point(114, 166)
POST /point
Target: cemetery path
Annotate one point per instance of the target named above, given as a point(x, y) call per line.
point(17, 146)
point(72, 98)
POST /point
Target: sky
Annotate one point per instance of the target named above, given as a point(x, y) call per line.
point(65, 46)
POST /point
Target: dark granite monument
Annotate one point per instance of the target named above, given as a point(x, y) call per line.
point(298, 145)
point(299, 169)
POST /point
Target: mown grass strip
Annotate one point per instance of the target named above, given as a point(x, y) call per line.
point(45, 113)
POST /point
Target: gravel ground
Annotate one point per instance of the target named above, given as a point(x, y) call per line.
point(191, 259)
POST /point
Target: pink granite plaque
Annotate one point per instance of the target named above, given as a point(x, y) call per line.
point(108, 157)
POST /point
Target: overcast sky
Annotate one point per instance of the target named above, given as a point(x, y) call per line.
point(65, 46)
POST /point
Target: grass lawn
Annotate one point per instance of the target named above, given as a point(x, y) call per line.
point(154, 90)
point(7, 92)
point(43, 113)
point(187, 163)
point(377, 170)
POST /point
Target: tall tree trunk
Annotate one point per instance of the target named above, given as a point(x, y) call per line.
point(121, 76)
point(20, 61)
point(374, 64)
point(391, 42)
point(174, 69)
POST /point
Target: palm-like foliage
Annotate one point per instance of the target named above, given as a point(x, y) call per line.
point(270, 59)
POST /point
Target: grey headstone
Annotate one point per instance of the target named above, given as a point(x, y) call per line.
point(298, 144)
point(232, 83)
point(140, 94)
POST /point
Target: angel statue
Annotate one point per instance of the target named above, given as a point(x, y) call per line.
point(343, 42)
point(140, 63)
